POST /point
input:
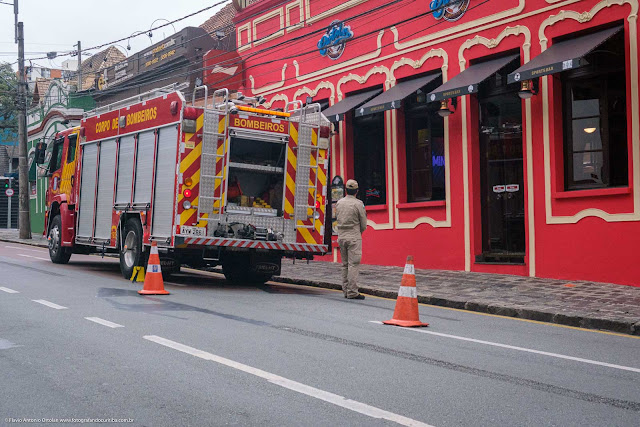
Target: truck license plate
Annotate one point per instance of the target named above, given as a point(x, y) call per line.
point(193, 231)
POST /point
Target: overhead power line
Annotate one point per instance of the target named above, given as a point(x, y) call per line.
point(355, 40)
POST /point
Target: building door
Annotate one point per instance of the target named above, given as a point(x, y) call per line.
point(501, 176)
point(369, 158)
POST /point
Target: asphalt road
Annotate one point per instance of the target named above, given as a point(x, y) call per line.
point(77, 341)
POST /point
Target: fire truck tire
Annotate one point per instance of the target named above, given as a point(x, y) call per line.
point(57, 253)
point(132, 252)
point(237, 269)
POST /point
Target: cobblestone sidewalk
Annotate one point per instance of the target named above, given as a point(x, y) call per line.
point(578, 303)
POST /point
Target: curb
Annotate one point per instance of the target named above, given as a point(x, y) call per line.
point(24, 242)
point(629, 327)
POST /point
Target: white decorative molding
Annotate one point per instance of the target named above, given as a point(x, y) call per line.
point(308, 78)
point(526, 49)
point(635, 119)
point(279, 12)
point(270, 87)
point(288, 8)
point(417, 64)
point(380, 69)
point(344, 5)
point(342, 65)
point(246, 28)
point(499, 16)
point(280, 97)
point(314, 92)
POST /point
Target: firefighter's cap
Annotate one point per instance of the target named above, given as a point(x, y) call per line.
point(352, 184)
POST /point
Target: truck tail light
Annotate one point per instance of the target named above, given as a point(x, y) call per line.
point(188, 182)
point(186, 193)
point(190, 113)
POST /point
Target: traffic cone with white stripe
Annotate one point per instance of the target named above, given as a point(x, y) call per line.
point(406, 312)
point(153, 283)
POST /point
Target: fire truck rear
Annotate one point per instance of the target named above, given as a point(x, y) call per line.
point(226, 183)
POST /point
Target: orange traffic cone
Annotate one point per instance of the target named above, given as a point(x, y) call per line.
point(153, 283)
point(406, 313)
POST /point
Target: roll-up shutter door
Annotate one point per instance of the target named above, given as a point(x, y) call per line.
point(165, 181)
point(104, 204)
point(125, 170)
point(87, 190)
point(144, 167)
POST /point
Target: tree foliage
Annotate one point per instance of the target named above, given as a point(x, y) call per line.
point(8, 95)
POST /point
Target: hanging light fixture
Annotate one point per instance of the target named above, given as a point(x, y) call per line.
point(444, 110)
point(528, 88)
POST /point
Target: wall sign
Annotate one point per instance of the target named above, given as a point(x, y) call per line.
point(332, 44)
point(450, 10)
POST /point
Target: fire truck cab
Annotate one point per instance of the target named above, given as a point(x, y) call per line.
point(221, 181)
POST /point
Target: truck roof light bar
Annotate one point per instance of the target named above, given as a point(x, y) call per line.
point(262, 111)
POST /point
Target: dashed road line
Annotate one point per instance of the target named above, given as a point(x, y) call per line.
point(49, 304)
point(104, 322)
point(31, 256)
point(528, 350)
point(9, 291)
point(326, 396)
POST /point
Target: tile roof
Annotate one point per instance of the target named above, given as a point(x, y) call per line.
point(223, 19)
point(98, 62)
point(40, 90)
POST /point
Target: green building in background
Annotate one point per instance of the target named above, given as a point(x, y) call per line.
point(55, 111)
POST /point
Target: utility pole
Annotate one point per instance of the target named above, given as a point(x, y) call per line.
point(79, 66)
point(24, 221)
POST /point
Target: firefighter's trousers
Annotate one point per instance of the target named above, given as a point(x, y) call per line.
point(351, 253)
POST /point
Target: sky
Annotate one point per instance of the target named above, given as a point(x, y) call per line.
point(56, 25)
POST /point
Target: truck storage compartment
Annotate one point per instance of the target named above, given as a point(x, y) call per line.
point(256, 176)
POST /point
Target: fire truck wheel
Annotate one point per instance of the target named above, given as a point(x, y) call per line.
point(57, 253)
point(237, 270)
point(132, 252)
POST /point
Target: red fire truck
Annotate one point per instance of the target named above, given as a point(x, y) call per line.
point(223, 183)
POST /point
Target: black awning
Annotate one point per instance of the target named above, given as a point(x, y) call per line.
point(393, 97)
point(336, 112)
point(562, 56)
point(467, 81)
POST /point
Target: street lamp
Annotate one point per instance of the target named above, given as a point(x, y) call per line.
point(129, 39)
point(150, 34)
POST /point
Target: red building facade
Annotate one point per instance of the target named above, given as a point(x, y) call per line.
point(488, 136)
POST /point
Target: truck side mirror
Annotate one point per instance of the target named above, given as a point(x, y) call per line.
point(41, 152)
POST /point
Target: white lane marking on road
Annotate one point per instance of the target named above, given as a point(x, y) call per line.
point(31, 256)
point(26, 249)
point(104, 322)
point(329, 397)
point(528, 350)
point(9, 291)
point(49, 304)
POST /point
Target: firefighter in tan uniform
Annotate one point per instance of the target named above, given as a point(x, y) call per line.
point(352, 221)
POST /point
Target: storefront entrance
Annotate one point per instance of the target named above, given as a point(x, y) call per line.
point(369, 159)
point(502, 184)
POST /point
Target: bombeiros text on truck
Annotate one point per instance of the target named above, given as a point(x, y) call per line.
point(226, 183)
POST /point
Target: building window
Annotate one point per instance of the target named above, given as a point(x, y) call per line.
point(425, 149)
point(369, 158)
point(595, 120)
